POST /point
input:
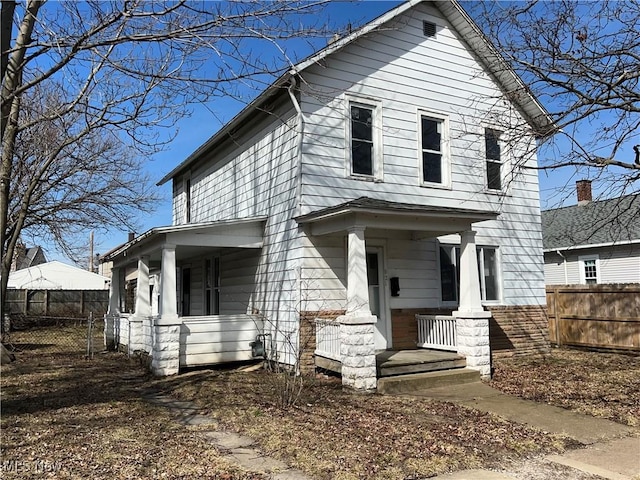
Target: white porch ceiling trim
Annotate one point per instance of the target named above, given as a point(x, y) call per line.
point(378, 214)
point(245, 233)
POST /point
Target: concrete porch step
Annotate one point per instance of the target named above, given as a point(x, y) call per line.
point(403, 362)
point(419, 381)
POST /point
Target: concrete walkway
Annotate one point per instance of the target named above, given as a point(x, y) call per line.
point(612, 450)
point(238, 448)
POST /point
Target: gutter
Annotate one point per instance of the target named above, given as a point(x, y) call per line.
point(594, 245)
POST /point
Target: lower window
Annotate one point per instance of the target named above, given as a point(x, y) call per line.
point(589, 269)
point(450, 272)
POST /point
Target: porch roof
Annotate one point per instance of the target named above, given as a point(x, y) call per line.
point(374, 213)
point(189, 238)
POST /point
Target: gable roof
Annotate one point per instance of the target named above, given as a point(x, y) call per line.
point(56, 276)
point(599, 223)
point(508, 80)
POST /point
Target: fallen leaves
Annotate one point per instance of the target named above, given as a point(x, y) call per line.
point(604, 385)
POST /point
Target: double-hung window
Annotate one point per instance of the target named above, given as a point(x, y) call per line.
point(589, 269)
point(186, 186)
point(365, 156)
point(493, 159)
point(450, 273)
point(434, 165)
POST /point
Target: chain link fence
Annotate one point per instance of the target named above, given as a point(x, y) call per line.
point(51, 335)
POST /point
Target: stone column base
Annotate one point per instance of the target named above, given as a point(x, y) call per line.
point(165, 354)
point(110, 336)
point(472, 334)
point(358, 352)
point(135, 334)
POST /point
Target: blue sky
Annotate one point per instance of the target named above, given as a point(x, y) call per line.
point(205, 120)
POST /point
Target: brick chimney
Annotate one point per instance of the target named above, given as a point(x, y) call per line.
point(132, 235)
point(583, 188)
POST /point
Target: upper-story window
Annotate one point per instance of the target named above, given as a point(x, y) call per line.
point(434, 159)
point(365, 157)
point(187, 199)
point(493, 159)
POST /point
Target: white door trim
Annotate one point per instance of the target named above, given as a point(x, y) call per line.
point(378, 247)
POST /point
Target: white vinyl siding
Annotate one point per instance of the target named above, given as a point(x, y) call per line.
point(411, 73)
point(616, 264)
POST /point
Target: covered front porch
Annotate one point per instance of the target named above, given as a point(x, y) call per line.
point(355, 342)
point(185, 310)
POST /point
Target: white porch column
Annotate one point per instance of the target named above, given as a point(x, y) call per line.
point(142, 309)
point(143, 298)
point(112, 318)
point(472, 321)
point(168, 285)
point(357, 344)
point(357, 287)
point(166, 329)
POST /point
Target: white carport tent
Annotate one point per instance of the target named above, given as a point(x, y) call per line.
point(162, 248)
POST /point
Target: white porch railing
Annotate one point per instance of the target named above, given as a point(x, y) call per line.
point(328, 339)
point(437, 332)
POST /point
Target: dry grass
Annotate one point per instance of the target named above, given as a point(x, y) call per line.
point(68, 418)
point(604, 385)
point(334, 434)
point(74, 418)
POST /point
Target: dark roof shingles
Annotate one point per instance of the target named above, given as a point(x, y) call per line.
point(598, 222)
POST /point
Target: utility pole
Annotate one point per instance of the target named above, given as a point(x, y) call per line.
point(91, 251)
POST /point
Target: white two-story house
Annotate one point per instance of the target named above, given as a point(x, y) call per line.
point(378, 196)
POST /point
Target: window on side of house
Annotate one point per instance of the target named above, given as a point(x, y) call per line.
point(187, 199)
point(493, 159)
point(450, 273)
point(589, 269)
point(364, 136)
point(212, 286)
point(434, 165)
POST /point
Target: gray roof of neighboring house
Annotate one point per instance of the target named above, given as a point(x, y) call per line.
point(600, 222)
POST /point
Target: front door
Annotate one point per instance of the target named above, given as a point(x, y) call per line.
point(377, 296)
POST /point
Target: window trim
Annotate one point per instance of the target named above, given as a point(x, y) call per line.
point(581, 265)
point(487, 160)
point(187, 203)
point(445, 149)
point(211, 292)
point(376, 136)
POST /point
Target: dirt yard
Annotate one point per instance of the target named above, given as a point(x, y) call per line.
point(604, 385)
point(71, 418)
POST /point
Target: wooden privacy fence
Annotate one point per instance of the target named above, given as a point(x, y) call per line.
point(67, 303)
point(602, 316)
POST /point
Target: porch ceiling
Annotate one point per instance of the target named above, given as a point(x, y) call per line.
point(191, 239)
point(382, 214)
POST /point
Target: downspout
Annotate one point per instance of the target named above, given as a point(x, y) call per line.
point(564, 262)
point(300, 130)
